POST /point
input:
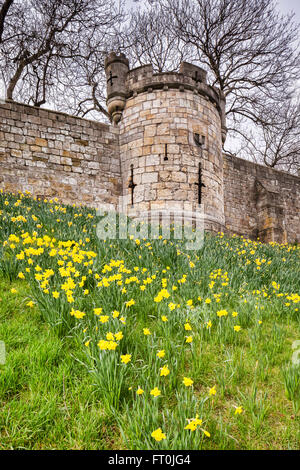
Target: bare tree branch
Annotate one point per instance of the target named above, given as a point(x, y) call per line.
point(6, 4)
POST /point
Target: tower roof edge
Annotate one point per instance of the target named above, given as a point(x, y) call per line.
point(114, 57)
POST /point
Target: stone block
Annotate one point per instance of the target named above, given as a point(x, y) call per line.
point(41, 142)
point(149, 178)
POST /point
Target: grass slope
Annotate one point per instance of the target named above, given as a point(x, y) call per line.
point(95, 329)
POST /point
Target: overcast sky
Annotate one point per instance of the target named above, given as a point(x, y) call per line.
point(288, 5)
point(284, 5)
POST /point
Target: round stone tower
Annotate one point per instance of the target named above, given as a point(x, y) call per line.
point(171, 131)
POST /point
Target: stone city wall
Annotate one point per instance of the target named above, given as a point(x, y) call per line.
point(261, 202)
point(52, 154)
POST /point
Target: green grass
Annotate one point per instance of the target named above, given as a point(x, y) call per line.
point(59, 390)
point(47, 400)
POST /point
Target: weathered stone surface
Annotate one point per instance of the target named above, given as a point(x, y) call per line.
point(40, 158)
point(261, 202)
point(172, 154)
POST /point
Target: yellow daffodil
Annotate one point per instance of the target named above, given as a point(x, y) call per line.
point(164, 371)
point(187, 381)
point(161, 354)
point(238, 410)
point(155, 392)
point(158, 435)
point(125, 358)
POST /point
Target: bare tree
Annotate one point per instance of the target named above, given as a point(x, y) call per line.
point(45, 37)
point(276, 145)
point(151, 38)
point(246, 45)
point(251, 53)
point(90, 83)
point(4, 9)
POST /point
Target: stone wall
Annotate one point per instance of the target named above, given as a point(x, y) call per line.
point(261, 202)
point(53, 154)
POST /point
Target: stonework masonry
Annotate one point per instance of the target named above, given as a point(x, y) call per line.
point(261, 202)
point(164, 141)
point(53, 154)
point(157, 138)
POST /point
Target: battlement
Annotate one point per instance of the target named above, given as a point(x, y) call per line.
point(122, 86)
point(113, 57)
point(190, 77)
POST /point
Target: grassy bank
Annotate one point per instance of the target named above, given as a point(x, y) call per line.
point(143, 344)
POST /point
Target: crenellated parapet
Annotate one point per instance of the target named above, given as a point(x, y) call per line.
point(142, 79)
